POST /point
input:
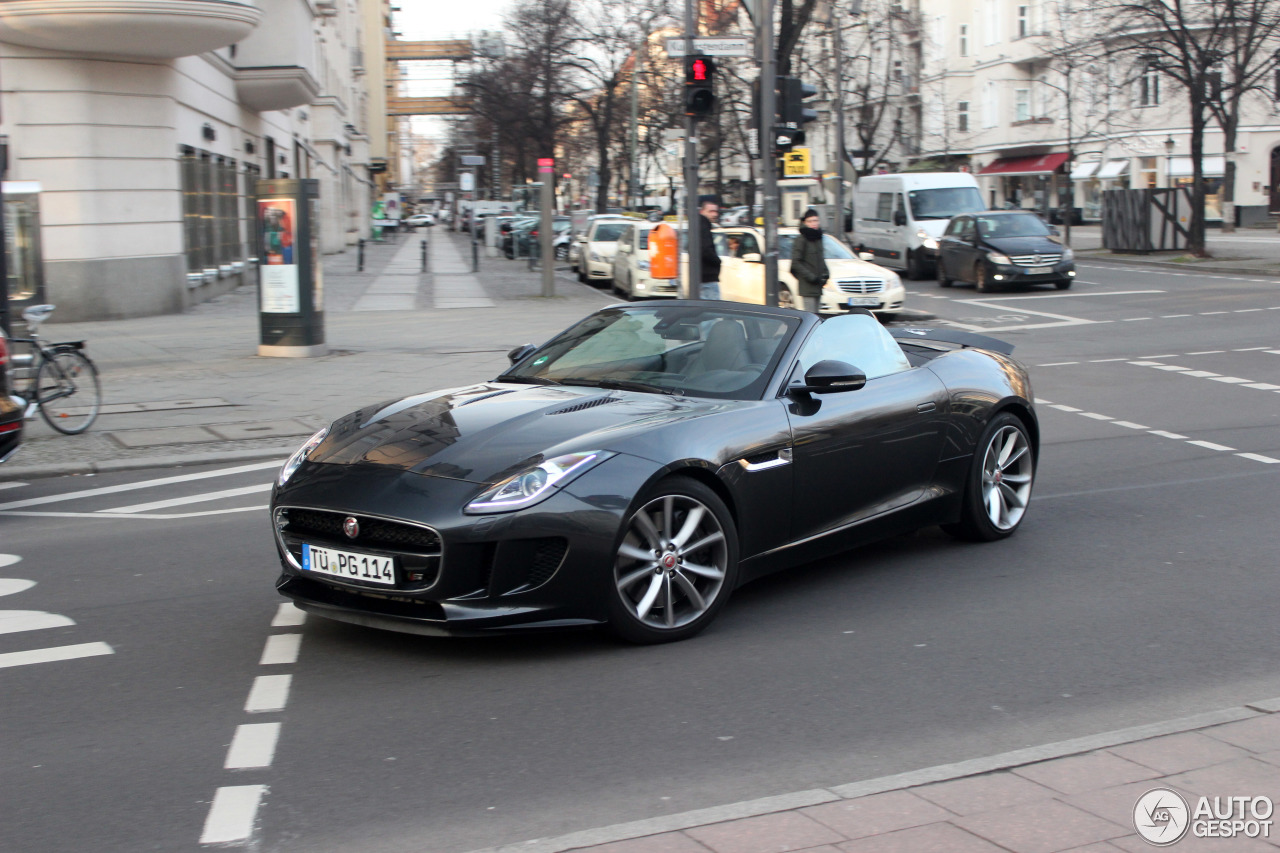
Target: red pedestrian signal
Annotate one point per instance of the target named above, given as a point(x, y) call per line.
point(699, 69)
point(699, 82)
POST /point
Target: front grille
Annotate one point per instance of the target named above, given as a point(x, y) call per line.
point(861, 285)
point(417, 550)
point(1035, 260)
point(546, 559)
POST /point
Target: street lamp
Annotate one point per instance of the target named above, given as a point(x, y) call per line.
point(1168, 161)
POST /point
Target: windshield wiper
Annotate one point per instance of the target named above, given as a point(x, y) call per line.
point(526, 380)
point(622, 385)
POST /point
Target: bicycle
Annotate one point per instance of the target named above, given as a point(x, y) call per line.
point(56, 373)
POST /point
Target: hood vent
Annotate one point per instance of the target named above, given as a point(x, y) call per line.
point(488, 396)
point(585, 404)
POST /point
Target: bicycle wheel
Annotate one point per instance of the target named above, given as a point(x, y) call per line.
point(68, 391)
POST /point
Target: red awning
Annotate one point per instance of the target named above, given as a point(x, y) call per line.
point(1042, 165)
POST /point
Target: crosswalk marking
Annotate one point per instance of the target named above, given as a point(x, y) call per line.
point(57, 653)
point(13, 621)
point(145, 484)
point(190, 499)
point(253, 745)
point(232, 814)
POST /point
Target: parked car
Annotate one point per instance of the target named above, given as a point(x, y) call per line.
point(854, 283)
point(899, 217)
point(577, 253)
point(1003, 248)
point(641, 465)
point(421, 220)
point(11, 411)
point(525, 238)
point(597, 249)
point(631, 264)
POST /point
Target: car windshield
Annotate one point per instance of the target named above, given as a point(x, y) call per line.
point(944, 202)
point(1016, 225)
point(607, 232)
point(684, 350)
point(832, 249)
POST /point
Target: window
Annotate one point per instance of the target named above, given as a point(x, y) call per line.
point(210, 214)
point(964, 51)
point(992, 24)
point(990, 104)
point(962, 116)
point(1149, 87)
point(1024, 21)
point(884, 207)
point(856, 339)
point(1021, 104)
point(1213, 82)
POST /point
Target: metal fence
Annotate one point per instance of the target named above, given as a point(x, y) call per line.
point(1146, 220)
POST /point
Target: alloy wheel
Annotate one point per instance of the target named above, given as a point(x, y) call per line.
point(1006, 477)
point(672, 563)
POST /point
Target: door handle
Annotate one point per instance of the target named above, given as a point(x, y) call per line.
point(926, 407)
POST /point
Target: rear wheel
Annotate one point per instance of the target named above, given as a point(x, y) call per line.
point(68, 391)
point(998, 490)
point(676, 564)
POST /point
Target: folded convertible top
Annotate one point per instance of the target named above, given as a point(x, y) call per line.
point(952, 336)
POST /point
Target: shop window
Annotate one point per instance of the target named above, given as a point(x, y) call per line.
point(210, 218)
point(1146, 172)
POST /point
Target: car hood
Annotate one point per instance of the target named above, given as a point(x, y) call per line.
point(1024, 245)
point(485, 433)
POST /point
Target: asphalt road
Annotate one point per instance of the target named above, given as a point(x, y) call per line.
point(1141, 587)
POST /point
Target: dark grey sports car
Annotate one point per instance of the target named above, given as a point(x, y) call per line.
point(642, 464)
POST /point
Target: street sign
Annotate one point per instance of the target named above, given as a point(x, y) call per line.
point(472, 160)
point(467, 182)
point(796, 164)
point(712, 46)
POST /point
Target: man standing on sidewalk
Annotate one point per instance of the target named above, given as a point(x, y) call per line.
point(709, 287)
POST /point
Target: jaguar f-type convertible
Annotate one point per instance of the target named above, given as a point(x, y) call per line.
point(638, 467)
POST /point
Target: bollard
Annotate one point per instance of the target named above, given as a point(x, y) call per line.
point(360, 255)
point(475, 257)
point(424, 254)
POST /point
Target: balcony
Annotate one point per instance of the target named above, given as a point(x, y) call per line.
point(144, 29)
point(276, 65)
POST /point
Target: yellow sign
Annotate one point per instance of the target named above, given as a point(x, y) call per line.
point(795, 163)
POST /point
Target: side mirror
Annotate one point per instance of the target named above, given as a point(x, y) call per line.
point(829, 376)
point(1053, 229)
point(520, 353)
point(866, 256)
point(753, 258)
point(899, 217)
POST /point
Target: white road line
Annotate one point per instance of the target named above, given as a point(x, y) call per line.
point(1172, 316)
point(1134, 319)
point(1147, 363)
point(1169, 367)
point(1057, 364)
point(254, 745)
point(1060, 319)
point(1273, 351)
point(1209, 445)
point(1164, 434)
point(145, 484)
point(1103, 360)
point(1166, 355)
point(190, 499)
point(281, 648)
point(9, 560)
point(13, 621)
point(1246, 311)
point(11, 586)
point(1258, 457)
point(1201, 374)
point(288, 616)
point(1091, 293)
point(80, 650)
point(1063, 408)
point(1262, 386)
point(1209, 352)
point(232, 814)
point(1095, 416)
point(1250, 349)
point(269, 693)
point(1230, 380)
point(4, 486)
point(1211, 313)
point(1130, 425)
point(161, 516)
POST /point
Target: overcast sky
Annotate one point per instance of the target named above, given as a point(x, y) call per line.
point(438, 19)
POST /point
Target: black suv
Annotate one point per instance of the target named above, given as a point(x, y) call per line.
point(1003, 248)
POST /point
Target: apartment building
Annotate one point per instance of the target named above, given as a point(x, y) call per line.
point(145, 124)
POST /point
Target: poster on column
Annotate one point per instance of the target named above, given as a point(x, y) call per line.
point(279, 273)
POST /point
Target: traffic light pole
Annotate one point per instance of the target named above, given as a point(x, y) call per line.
point(691, 171)
point(768, 145)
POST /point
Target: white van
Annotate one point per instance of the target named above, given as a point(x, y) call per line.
point(899, 218)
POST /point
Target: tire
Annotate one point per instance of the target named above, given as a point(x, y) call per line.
point(656, 596)
point(943, 279)
point(915, 267)
point(1065, 284)
point(980, 282)
point(582, 276)
point(998, 490)
point(68, 391)
point(786, 299)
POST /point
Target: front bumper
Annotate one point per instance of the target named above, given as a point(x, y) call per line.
point(544, 567)
point(888, 301)
point(646, 286)
point(1013, 274)
point(12, 411)
point(600, 269)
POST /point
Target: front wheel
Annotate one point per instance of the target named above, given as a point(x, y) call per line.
point(1065, 284)
point(943, 279)
point(785, 297)
point(915, 266)
point(675, 566)
point(980, 281)
point(998, 490)
point(68, 391)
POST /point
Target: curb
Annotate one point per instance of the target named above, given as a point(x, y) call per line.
point(910, 779)
point(35, 472)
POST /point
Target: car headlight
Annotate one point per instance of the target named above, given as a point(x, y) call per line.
point(596, 257)
point(535, 483)
point(926, 239)
point(1068, 254)
point(643, 264)
point(997, 258)
point(295, 461)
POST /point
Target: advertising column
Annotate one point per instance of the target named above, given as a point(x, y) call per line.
point(290, 279)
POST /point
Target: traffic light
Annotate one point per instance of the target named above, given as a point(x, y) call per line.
point(699, 86)
point(793, 115)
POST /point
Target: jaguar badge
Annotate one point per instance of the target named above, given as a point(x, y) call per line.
point(351, 527)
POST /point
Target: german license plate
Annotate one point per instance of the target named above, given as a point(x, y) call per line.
point(863, 301)
point(1038, 270)
point(350, 565)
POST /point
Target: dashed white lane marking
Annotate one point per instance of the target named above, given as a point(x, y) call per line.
point(269, 693)
point(190, 499)
point(1168, 367)
point(9, 560)
point(254, 745)
point(1208, 445)
point(4, 486)
point(145, 484)
point(12, 586)
point(146, 516)
point(281, 648)
point(1149, 361)
point(231, 817)
point(288, 616)
point(1134, 319)
point(1057, 363)
point(13, 621)
point(1251, 349)
point(1230, 380)
point(1201, 374)
point(1100, 360)
point(57, 653)
point(1209, 352)
point(1211, 313)
point(1173, 316)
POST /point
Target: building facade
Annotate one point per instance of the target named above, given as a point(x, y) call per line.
point(147, 123)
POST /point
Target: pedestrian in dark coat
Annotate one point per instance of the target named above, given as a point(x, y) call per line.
point(709, 287)
point(808, 261)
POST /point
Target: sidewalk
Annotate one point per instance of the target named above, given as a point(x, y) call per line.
point(1077, 795)
point(1245, 252)
point(190, 388)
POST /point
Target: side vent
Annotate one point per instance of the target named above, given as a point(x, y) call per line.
point(488, 396)
point(585, 404)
